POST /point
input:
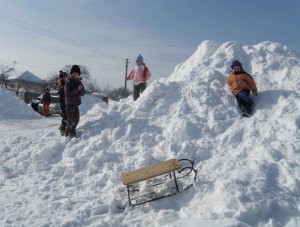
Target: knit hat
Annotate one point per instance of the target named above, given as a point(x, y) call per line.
point(75, 69)
point(62, 74)
point(236, 63)
point(139, 58)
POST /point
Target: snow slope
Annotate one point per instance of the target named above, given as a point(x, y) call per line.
point(12, 107)
point(248, 168)
point(88, 102)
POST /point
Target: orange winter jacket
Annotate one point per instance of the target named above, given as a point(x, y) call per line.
point(240, 82)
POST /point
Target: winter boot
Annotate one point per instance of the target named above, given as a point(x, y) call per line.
point(246, 111)
point(66, 132)
point(72, 135)
point(62, 130)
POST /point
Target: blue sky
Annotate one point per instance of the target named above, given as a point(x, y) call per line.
point(102, 33)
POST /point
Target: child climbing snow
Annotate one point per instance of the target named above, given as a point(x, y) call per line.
point(140, 76)
point(241, 83)
point(73, 90)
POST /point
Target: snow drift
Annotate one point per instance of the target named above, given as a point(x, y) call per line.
point(248, 168)
point(88, 102)
point(12, 107)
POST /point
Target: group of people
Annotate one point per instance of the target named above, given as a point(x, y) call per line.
point(240, 83)
point(71, 89)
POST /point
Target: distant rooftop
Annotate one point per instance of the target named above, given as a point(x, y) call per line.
point(27, 76)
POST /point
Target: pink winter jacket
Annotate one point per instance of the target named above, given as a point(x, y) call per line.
point(139, 75)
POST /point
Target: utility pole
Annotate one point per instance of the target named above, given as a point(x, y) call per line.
point(15, 62)
point(126, 72)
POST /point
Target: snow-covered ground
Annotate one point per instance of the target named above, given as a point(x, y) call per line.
point(88, 102)
point(248, 167)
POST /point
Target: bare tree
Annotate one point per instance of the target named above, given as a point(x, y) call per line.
point(4, 69)
point(85, 71)
point(92, 85)
point(53, 78)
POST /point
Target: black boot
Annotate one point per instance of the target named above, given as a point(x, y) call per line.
point(66, 131)
point(72, 135)
point(62, 130)
point(244, 111)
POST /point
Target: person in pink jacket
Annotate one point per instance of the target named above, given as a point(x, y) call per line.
point(140, 76)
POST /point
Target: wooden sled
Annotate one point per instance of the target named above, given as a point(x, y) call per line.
point(164, 179)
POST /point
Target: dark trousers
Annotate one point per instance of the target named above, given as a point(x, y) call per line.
point(64, 120)
point(244, 101)
point(73, 117)
point(138, 89)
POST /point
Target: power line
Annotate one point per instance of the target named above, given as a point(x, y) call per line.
point(49, 34)
point(33, 26)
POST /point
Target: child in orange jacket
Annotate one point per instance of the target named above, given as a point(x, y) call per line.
point(241, 83)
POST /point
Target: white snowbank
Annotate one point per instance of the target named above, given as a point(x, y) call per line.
point(88, 102)
point(12, 107)
point(248, 168)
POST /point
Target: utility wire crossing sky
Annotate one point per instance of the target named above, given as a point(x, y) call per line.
point(44, 36)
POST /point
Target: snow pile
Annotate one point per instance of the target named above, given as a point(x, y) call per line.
point(88, 102)
point(12, 107)
point(248, 168)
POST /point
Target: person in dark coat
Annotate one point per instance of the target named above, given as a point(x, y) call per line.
point(61, 92)
point(46, 100)
point(73, 90)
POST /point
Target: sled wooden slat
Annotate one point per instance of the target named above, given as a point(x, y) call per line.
point(149, 172)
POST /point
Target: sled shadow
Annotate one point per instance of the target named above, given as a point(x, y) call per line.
point(267, 99)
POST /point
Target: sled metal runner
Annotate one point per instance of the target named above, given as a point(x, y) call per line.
point(164, 179)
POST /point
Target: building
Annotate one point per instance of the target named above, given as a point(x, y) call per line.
point(26, 85)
